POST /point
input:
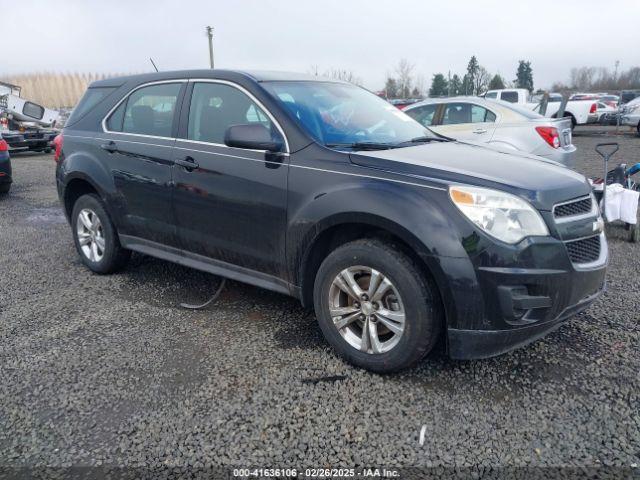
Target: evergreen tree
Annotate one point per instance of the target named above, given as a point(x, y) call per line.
point(391, 88)
point(455, 86)
point(438, 86)
point(524, 76)
point(496, 83)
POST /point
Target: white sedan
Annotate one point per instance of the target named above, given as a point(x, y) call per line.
point(497, 123)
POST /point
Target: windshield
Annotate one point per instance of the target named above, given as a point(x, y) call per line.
point(343, 115)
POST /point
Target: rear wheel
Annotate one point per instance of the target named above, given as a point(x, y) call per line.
point(375, 307)
point(95, 236)
point(4, 188)
point(635, 233)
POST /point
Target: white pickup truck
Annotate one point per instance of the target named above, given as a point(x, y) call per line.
point(581, 112)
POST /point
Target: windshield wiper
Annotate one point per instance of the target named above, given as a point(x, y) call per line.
point(425, 139)
point(362, 145)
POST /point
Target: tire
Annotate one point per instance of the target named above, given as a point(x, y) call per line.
point(4, 188)
point(635, 233)
point(411, 296)
point(108, 255)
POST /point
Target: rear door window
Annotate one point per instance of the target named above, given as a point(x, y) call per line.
point(424, 114)
point(511, 97)
point(147, 111)
point(456, 113)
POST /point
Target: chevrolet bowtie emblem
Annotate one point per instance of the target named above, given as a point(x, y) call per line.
point(598, 225)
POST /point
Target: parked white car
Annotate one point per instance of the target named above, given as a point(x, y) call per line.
point(604, 111)
point(581, 112)
point(499, 124)
point(630, 114)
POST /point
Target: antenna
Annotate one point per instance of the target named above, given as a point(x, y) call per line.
point(152, 63)
point(210, 36)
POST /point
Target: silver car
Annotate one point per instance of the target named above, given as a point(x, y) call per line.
point(630, 113)
point(499, 124)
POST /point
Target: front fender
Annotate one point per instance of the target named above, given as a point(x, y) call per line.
point(422, 217)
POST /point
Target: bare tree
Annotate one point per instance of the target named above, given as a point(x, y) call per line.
point(404, 70)
point(344, 75)
point(314, 70)
point(481, 80)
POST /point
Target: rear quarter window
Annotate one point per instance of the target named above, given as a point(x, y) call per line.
point(90, 99)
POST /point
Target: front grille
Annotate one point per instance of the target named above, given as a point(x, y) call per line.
point(584, 251)
point(571, 209)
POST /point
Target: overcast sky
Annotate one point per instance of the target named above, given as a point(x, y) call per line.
point(365, 37)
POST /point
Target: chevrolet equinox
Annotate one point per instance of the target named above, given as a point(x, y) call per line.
point(321, 190)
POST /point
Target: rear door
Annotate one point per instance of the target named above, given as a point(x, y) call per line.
point(137, 147)
point(230, 203)
point(467, 121)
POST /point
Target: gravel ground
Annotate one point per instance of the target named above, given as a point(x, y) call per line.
point(109, 370)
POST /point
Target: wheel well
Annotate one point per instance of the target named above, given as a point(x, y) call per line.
point(338, 235)
point(73, 191)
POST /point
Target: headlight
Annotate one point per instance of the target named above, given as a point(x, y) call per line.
point(502, 215)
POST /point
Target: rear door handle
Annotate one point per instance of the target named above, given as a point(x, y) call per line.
point(480, 130)
point(188, 163)
point(109, 146)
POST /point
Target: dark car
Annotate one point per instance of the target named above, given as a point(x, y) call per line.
point(5, 167)
point(321, 190)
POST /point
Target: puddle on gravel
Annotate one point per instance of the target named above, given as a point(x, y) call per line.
point(46, 216)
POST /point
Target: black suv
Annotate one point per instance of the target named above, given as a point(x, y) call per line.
point(321, 190)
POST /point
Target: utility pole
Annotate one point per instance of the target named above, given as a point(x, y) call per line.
point(210, 35)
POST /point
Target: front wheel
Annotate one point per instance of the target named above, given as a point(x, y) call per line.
point(374, 306)
point(95, 236)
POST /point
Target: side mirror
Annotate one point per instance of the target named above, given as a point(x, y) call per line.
point(251, 135)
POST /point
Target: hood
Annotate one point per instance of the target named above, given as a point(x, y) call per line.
point(541, 182)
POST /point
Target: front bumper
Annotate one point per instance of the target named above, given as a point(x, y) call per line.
point(580, 289)
point(502, 297)
point(631, 120)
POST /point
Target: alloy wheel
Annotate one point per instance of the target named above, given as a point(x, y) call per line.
point(366, 309)
point(90, 235)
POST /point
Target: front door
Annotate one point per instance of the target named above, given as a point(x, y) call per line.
point(137, 149)
point(230, 204)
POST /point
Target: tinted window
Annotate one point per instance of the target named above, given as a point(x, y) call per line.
point(33, 110)
point(455, 113)
point(148, 111)
point(511, 97)
point(114, 122)
point(215, 107)
point(423, 114)
point(90, 99)
point(491, 95)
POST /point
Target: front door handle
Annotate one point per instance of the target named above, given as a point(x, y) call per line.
point(109, 146)
point(188, 163)
point(480, 130)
